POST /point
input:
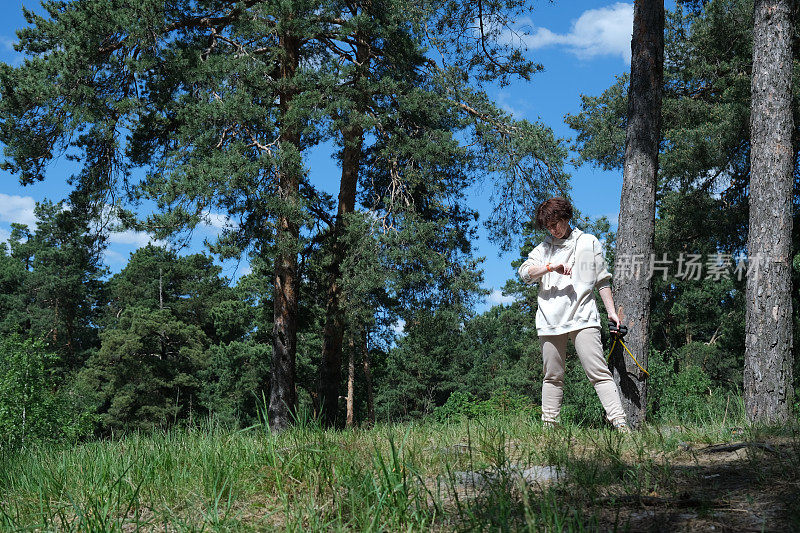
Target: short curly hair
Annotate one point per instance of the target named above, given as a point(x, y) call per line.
point(551, 211)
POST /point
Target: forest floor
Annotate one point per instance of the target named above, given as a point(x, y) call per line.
point(744, 486)
point(497, 473)
point(737, 485)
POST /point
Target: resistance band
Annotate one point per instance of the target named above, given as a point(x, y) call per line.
point(618, 338)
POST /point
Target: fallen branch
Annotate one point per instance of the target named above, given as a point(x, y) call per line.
point(651, 501)
point(718, 448)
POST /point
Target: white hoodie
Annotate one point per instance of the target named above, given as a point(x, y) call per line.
point(566, 303)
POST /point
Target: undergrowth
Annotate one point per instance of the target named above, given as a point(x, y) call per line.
point(462, 474)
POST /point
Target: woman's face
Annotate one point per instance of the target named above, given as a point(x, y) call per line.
point(559, 228)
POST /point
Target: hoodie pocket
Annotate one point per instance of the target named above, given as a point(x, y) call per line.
point(584, 270)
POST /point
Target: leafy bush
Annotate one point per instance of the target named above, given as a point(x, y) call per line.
point(678, 396)
point(687, 396)
point(464, 405)
point(31, 407)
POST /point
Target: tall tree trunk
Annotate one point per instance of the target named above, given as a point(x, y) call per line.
point(368, 380)
point(637, 206)
point(768, 335)
point(351, 381)
point(282, 398)
point(331, 362)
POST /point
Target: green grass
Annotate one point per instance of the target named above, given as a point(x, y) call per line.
point(405, 477)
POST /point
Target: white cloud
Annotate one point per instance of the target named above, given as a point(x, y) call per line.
point(613, 218)
point(134, 238)
point(4, 235)
point(513, 110)
point(399, 327)
point(722, 180)
point(216, 220)
point(114, 256)
point(496, 297)
point(7, 44)
point(7, 49)
point(108, 222)
point(601, 31)
point(17, 209)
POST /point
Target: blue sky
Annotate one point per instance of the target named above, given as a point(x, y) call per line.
point(582, 45)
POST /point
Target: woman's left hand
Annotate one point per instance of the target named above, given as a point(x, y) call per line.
point(563, 268)
point(612, 317)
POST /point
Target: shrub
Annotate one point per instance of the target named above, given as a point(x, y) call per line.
point(32, 409)
point(678, 396)
point(503, 402)
point(687, 395)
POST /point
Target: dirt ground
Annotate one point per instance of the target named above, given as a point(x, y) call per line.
point(730, 487)
point(736, 486)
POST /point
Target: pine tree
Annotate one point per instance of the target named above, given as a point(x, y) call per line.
point(704, 176)
point(55, 290)
point(162, 318)
point(637, 206)
point(768, 342)
point(216, 98)
point(378, 62)
point(523, 160)
point(219, 102)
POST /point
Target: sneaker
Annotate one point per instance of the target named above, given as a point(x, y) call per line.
point(621, 426)
point(550, 425)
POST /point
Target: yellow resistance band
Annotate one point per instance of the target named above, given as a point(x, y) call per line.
point(629, 353)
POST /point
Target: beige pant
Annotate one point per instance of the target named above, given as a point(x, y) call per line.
point(590, 351)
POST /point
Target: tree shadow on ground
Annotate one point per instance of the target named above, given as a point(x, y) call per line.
point(744, 486)
point(739, 487)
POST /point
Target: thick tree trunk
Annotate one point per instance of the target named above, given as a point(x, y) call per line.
point(331, 363)
point(768, 335)
point(637, 207)
point(368, 381)
point(282, 398)
point(351, 381)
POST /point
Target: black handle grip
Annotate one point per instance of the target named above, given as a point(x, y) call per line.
point(618, 331)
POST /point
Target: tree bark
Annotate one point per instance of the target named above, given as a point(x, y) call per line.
point(768, 331)
point(368, 380)
point(282, 398)
point(351, 379)
point(331, 362)
point(636, 230)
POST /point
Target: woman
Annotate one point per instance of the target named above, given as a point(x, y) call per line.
point(569, 265)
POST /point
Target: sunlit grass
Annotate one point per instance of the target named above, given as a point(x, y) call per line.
point(387, 478)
